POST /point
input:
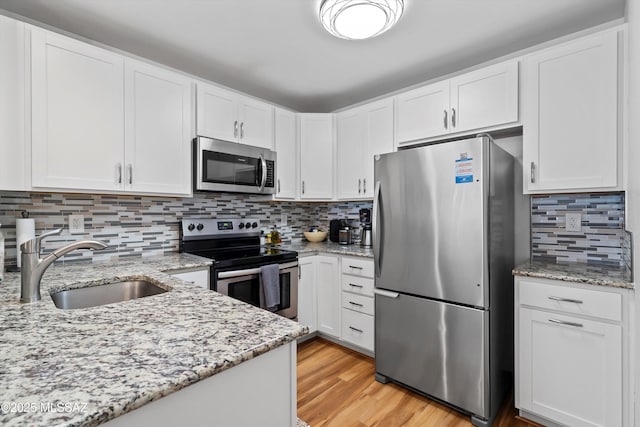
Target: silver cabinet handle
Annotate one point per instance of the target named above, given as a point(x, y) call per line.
point(119, 173)
point(355, 286)
point(356, 329)
point(355, 267)
point(241, 130)
point(453, 117)
point(359, 187)
point(364, 185)
point(278, 185)
point(130, 167)
point(302, 187)
point(562, 322)
point(446, 126)
point(575, 301)
point(356, 304)
point(533, 172)
point(235, 129)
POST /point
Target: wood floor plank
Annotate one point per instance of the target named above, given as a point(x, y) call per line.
point(337, 388)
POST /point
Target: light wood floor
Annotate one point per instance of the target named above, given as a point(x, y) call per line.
point(336, 387)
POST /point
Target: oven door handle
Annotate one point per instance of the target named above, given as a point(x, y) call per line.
point(263, 180)
point(251, 271)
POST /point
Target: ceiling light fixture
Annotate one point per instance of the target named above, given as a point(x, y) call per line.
point(359, 19)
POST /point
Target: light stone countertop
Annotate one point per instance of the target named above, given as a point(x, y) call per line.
point(306, 248)
point(118, 357)
point(617, 277)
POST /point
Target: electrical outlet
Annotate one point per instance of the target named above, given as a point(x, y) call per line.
point(573, 221)
point(76, 224)
point(283, 219)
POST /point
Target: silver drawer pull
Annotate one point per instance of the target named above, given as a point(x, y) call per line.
point(562, 322)
point(356, 329)
point(575, 301)
point(355, 267)
point(355, 303)
point(355, 286)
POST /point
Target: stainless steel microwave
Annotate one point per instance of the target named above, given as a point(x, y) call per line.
point(232, 167)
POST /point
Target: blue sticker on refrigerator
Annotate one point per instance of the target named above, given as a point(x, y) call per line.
point(464, 170)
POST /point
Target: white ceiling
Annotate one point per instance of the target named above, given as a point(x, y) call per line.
point(277, 49)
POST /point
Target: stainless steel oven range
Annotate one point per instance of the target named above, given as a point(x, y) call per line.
point(234, 247)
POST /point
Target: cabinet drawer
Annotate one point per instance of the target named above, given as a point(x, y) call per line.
point(357, 285)
point(587, 302)
point(360, 303)
point(357, 328)
point(357, 266)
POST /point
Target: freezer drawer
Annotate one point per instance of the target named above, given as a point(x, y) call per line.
point(437, 348)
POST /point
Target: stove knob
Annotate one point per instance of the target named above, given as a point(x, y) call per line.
point(254, 225)
point(190, 227)
point(200, 227)
point(248, 225)
point(241, 225)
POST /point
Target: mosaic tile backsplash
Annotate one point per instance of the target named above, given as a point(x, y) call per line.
point(136, 226)
point(601, 240)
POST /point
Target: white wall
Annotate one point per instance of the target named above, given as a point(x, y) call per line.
point(633, 159)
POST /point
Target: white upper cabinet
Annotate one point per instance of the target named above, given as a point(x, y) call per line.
point(99, 125)
point(571, 139)
point(479, 99)
point(223, 114)
point(362, 133)
point(158, 130)
point(285, 141)
point(78, 120)
point(316, 156)
point(13, 147)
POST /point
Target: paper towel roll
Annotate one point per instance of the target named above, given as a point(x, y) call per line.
point(25, 230)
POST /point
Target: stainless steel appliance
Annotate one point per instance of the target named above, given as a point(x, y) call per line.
point(443, 248)
point(232, 167)
point(234, 247)
point(366, 237)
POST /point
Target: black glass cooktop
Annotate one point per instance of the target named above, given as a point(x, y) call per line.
point(244, 256)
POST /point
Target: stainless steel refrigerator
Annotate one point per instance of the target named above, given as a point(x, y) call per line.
point(443, 247)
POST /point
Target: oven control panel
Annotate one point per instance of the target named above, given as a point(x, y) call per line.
point(203, 228)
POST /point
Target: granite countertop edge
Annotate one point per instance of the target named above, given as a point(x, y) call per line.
point(119, 357)
point(306, 248)
point(615, 277)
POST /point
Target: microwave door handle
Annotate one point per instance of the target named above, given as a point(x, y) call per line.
point(263, 180)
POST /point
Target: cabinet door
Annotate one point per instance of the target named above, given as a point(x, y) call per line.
point(316, 156)
point(351, 147)
point(307, 293)
point(285, 141)
point(13, 149)
point(256, 123)
point(486, 97)
point(157, 130)
point(379, 127)
point(328, 291)
point(217, 113)
point(570, 137)
point(423, 113)
point(570, 369)
point(78, 114)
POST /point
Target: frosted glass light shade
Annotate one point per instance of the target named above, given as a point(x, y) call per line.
point(359, 19)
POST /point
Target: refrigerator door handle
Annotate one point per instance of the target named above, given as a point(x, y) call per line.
point(375, 234)
point(384, 293)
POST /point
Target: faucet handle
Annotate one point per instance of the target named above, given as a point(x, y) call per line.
point(34, 245)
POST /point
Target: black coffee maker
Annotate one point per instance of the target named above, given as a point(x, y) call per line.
point(366, 236)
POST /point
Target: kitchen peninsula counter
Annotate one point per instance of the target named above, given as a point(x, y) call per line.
point(617, 277)
point(109, 360)
point(306, 248)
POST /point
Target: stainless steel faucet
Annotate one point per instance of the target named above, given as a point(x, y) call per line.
point(33, 267)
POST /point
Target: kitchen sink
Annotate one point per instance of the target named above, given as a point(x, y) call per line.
point(105, 294)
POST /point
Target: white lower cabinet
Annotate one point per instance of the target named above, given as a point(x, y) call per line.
point(198, 277)
point(335, 299)
point(328, 295)
point(307, 313)
point(571, 367)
